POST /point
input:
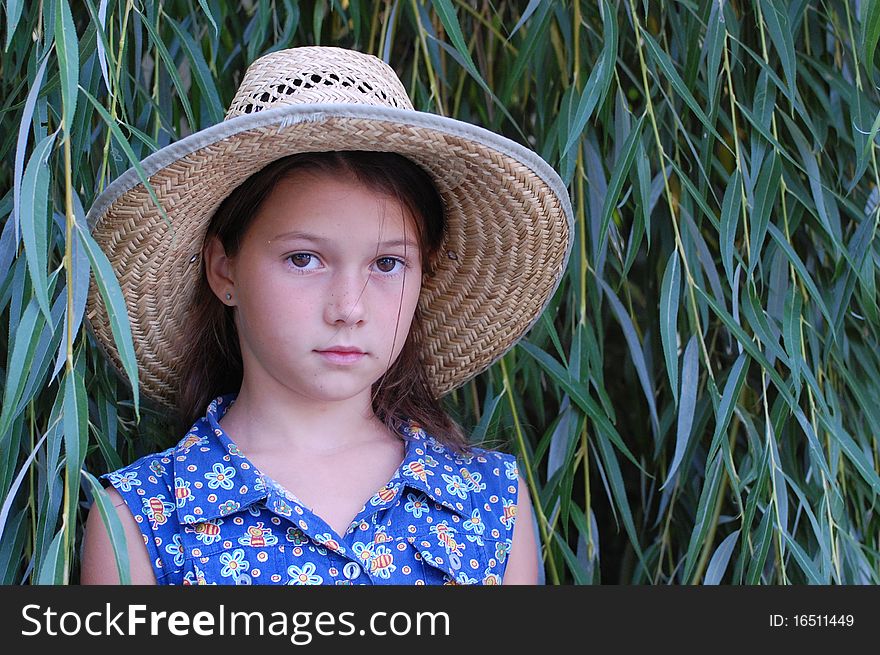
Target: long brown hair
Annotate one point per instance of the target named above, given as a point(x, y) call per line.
point(212, 365)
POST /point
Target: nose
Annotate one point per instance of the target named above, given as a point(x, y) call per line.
point(346, 302)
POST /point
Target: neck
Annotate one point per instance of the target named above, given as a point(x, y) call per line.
point(268, 419)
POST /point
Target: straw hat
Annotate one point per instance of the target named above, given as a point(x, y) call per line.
point(508, 216)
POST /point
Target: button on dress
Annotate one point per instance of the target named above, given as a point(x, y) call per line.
point(209, 516)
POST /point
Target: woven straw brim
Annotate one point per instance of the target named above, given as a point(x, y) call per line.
point(508, 231)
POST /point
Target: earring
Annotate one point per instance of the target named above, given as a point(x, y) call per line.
point(228, 296)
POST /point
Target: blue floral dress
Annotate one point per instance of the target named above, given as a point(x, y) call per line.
point(208, 516)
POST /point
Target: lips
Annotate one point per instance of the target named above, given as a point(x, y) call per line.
point(342, 349)
point(341, 355)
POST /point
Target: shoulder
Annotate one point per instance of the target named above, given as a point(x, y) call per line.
point(146, 487)
point(509, 516)
point(524, 559)
point(155, 464)
point(494, 470)
point(155, 474)
point(487, 482)
point(110, 525)
point(498, 464)
point(135, 491)
point(151, 476)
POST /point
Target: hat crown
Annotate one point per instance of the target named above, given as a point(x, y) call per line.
point(317, 75)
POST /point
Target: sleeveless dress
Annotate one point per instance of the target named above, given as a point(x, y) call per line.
point(208, 516)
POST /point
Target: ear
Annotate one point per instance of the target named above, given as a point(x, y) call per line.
point(219, 270)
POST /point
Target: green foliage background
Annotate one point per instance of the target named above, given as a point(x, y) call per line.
point(699, 404)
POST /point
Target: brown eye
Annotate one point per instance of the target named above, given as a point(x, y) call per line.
point(387, 264)
point(300, 259)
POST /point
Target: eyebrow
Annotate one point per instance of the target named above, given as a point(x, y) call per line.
point(306, 236)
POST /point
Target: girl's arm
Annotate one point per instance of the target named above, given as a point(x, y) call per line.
point(99, 563)
point(522, 565)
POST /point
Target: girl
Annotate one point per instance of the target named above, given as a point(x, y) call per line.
point(336, 262)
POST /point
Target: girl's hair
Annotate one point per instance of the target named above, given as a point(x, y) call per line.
point(212, 365)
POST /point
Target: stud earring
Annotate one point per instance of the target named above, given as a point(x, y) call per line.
point(228, 296)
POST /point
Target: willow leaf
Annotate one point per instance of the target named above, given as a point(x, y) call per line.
point(114, 303)
point(766, 189)
point(207, 10)
point(856, 455)
point(689, 382)
point(24, 129)
point(199, 67)
point(615, 478)
point(34, 218)
point(103, 45)
point(13, 16)
point(713, 44)
point(113, 525)
point(782, 39)
point(870, 20)
point(761, 546)
point(171, 69)
point(662, 60)
point(705, 507)
point(732, 390)
point(596, 88)
point(67, 46)
point(618, 176)
point(792, 332)
point(527, 13)
point(27, 336)
point(730, 212)
point(800, 556)
point(52, 570)
point(635, 350)
point(446, 13)
point(806, 278)
point(576, 391)
point(75, 422)
point(670, 291)
point(720, 559)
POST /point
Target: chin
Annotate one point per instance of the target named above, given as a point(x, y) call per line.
point(338, 393)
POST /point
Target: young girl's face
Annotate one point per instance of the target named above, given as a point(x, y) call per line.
point(327, 265)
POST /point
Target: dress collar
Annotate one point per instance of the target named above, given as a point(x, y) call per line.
point(213, 478)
